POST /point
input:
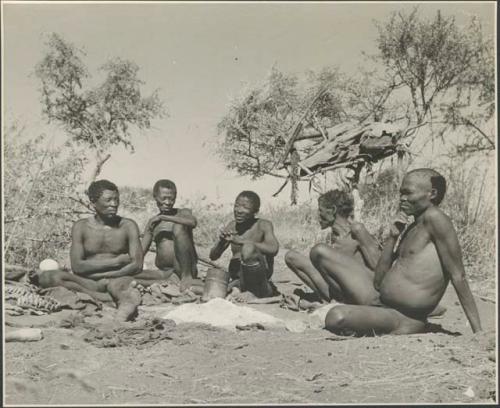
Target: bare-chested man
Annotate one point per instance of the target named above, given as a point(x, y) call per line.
point(253, 245)
point(106, 254)
point(411, 276)
point(172, 231)
point(354, 251)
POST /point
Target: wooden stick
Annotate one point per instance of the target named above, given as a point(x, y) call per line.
point(282, 187)
point(297, 128)
point(210, 263)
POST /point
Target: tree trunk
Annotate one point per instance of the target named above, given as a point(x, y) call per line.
point(294, 176)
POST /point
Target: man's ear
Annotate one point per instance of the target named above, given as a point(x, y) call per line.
point(433, 194)
point(334, 209)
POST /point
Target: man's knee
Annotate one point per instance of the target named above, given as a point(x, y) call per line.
point(249, 252)
point(319, 252)
point(335, 318)
point(291, 258)
point(180, 230)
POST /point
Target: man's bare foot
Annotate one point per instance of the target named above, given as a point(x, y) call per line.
point(296, 303)
point(192, 284)
point(186, 297)
point(241, 297)
point(130, 300)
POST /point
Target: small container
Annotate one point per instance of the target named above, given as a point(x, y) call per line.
point(216, 283)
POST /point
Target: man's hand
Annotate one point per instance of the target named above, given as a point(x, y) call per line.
point(398, 224)
point(153, 222)
point(235, 239)
point(225, 234)
point(123, 259)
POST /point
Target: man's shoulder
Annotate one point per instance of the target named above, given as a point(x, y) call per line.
point(357, 226)
point(181, 211)
point(435, 218)
point(263, 223)
point(82, 222)
point(435, 214)
point(127, 222)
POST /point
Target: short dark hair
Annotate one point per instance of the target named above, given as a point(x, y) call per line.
point(97, 187)
point(165, 184)
point(253, 197)
point(343, 201)
point(438, 182)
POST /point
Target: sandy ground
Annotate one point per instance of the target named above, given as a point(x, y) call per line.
point(200, 364)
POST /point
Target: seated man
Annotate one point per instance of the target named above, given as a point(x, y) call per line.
point(417, 262)
point(253, 245)
point(353, 250)
point(172, 231)
point(105, 254)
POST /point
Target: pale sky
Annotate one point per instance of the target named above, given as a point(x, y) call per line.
point(199, 55)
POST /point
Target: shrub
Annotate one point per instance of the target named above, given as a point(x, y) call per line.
point(40, 184)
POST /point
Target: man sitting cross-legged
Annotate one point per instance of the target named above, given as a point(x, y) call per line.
point(254, 247)
point(352, 255)
point(106, 254)
point(411, 276)
point(172, 231)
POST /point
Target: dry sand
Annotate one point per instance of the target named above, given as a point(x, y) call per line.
point(157, 362)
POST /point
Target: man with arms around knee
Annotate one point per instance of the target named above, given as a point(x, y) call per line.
point(105, 254)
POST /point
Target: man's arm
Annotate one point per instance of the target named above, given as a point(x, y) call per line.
point(84, 267)
point(134, 266)
point(387, 257)
point(147, 237)
point(385, 261)
point(445, 238)
point(184, 217)
point(367, 244)
point(221, 244)
point(268, 246)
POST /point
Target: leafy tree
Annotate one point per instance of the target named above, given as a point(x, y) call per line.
point(447, 69)
point(256, 127)
point(98, 117)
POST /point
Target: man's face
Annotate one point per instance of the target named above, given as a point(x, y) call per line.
point(243, 210)
point(326, 216)
point(415, 194)
point(165, 199)
point(107, 204)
